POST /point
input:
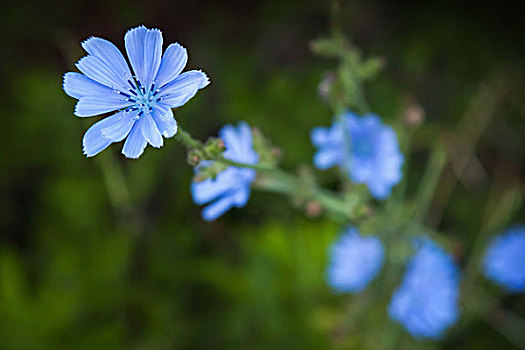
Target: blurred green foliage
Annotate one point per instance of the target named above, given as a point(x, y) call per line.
point(77, 271)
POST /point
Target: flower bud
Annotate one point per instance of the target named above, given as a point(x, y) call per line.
point(194, 158)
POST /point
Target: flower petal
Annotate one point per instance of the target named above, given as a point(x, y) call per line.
point(165, 121)
point(241, 196)
point(320, 136)
point(94, 105)
point(110, 55)
point(184, 87)
point(217, 208)
point(191, 77)
point(94, 142)
point(144, 48)
point(135, 143)
point(98, 70)
point(327, 157)
point(150, 131)
point(78, 85)
point(209, 189)
point(177, 98)
point(232, 141)
point(118, 131)
point(134, 42)
point(245, 134)
point(173, 62)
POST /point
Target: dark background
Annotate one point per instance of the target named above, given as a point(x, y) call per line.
point(82, 268)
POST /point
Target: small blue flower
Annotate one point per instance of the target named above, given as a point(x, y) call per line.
point(354, 262)
point(143, 100)
point(365, 147)
point(505, 260)
point(426, 303)
point(231, 187)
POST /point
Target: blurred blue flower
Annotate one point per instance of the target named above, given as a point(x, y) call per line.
point(355, 261)
point(365, 147)
point(426, 303)
point(505, 260)
point(231, 187)
point(143, 100)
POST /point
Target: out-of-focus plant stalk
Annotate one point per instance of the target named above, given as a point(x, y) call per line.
point(285, 183)
point(115, 182)
point(480, 111)
point(481, 303)
point(428, 183)
point(277, 180)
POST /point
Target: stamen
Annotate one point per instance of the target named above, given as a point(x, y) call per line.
point(138, 83)
point(123, 94)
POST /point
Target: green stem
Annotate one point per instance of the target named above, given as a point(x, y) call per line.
point(281, 182)
point(506, 322)
point(118, 193)
point(258, 167)
point(188, 141)
point(277, 180)
point(429, 183)
point(115, 182)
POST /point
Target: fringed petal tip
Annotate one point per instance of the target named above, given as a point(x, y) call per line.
point(88, 154)
point(92, 150)
point(83, 43)
point(136, 28)
point(182, 47)
point(131, 157)
point(142, 26)
point(80, 60)
point(205, 80)
point(65, 83)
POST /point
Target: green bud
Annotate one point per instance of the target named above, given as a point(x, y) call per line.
point(194, 158)
point(214, 147)
point(268, 155)
point(329, 47)
point(369, 69)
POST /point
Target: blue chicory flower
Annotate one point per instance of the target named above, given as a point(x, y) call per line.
point(366, 148)
point(426, 303)
point(354, 262)
point(504, 261)
point(231, 187)
point(143, 100)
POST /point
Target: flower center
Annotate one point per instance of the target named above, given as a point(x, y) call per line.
point(143, 99)
point(363, 147)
